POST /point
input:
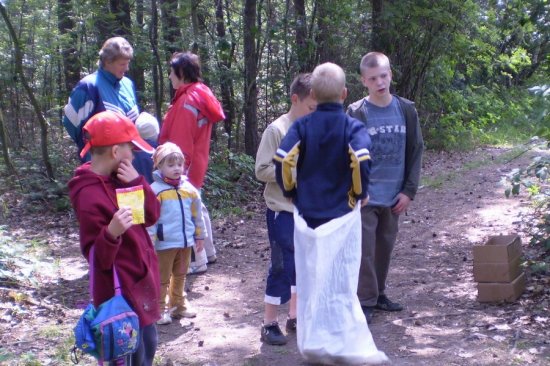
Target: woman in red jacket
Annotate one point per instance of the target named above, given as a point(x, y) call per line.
point(188, 123)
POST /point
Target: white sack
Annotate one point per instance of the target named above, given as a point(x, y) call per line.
point(332, 328)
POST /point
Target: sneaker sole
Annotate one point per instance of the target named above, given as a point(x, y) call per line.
point(384, 308)
point(272, 343)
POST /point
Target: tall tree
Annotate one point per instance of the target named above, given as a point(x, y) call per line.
point(158, 81)
point(225, 50)
point(122, 25)
point(171, 32)
point(250, 31)
point(69, 37)
point(30, 93)
point(137, 71)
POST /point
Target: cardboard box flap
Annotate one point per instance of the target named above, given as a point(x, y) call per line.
point(502, 248)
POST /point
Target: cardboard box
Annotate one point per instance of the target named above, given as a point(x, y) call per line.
point(497, 272)
point(502, 248)
point(493, 291)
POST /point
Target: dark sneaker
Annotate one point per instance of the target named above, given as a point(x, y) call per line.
point(291, 325)
point(386, 304)
point(271, 334)
point(369, 313)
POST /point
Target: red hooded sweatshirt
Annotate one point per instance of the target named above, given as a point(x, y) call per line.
point(188, 123)
point(94, 200)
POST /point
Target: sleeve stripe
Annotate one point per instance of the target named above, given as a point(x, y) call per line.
point(280, 155)
point(113, 108)
point(77, 117)
point(192, 109)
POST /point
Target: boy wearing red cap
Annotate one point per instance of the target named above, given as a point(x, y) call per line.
point(179, 229)
point(110, 229)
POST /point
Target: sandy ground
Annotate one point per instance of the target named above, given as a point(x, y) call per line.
point(460, 205)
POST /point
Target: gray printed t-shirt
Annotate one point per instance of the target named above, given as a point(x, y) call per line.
point(387, 130)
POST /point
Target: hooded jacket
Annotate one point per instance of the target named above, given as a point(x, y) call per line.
point(93, 198)
point(188, 123)
point(180, 222)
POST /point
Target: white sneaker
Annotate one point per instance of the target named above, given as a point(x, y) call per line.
point(197, 270)
point(189, 312)
point(165, 319)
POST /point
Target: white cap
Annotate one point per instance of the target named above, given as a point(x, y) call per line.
point(148, 126)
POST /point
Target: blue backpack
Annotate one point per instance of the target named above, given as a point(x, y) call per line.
point(109, 332)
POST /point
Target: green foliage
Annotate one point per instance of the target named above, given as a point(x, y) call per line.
point(535, 178)
point(479, 115)
point(230, 182)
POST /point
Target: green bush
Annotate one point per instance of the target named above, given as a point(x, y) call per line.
point(535, 179)
point(230, 183)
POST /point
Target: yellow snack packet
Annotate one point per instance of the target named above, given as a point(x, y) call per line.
point(134, 198)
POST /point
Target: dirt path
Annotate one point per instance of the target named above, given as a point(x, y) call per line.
point(442, 324)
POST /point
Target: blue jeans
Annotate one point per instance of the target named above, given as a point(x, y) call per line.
point(282, 273)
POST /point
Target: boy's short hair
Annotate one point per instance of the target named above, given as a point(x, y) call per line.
point(109, 128)
point(301, 85)
point(373, 59)
point(167, 153)
point(115, 48)
point(328, 80)
point(187, 66)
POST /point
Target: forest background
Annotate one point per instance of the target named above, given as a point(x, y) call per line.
point(477, 70)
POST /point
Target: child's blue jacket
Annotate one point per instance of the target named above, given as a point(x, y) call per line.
point(330, 152)
point(180, 222)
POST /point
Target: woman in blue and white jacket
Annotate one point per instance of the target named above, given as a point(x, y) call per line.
point(178, 229)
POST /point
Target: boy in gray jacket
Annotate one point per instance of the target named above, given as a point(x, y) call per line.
point(397, 146)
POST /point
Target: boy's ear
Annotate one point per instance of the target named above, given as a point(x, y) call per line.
point(344, 94)
point(294, 98)
point(363, 81)
point(113, 151)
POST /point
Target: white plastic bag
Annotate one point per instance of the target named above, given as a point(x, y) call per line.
point(332, 328)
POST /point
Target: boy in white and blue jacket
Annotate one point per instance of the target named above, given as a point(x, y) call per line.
point(178, 229)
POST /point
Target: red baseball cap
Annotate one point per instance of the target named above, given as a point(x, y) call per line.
point(109, 128)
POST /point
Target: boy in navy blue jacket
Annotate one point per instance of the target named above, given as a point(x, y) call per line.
point(330, 152)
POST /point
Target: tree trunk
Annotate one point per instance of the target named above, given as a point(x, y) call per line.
point(377, 42)
point(32, 99)
point(326, 38)
point(137, 72)
point(250, 72)
point(71, 62)
point(5, 151)
point(123, 22)
point(198, 20)
point(101, 23)
point(171, 32)
point(225, 55)
point(158, 81)
point(302, 44)
point(170, 26)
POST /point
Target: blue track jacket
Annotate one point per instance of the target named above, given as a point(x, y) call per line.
point(330, 153)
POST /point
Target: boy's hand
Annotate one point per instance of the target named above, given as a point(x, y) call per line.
point(199, 244)
point(126, 171)
point(402, 204)
point(121, 221)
